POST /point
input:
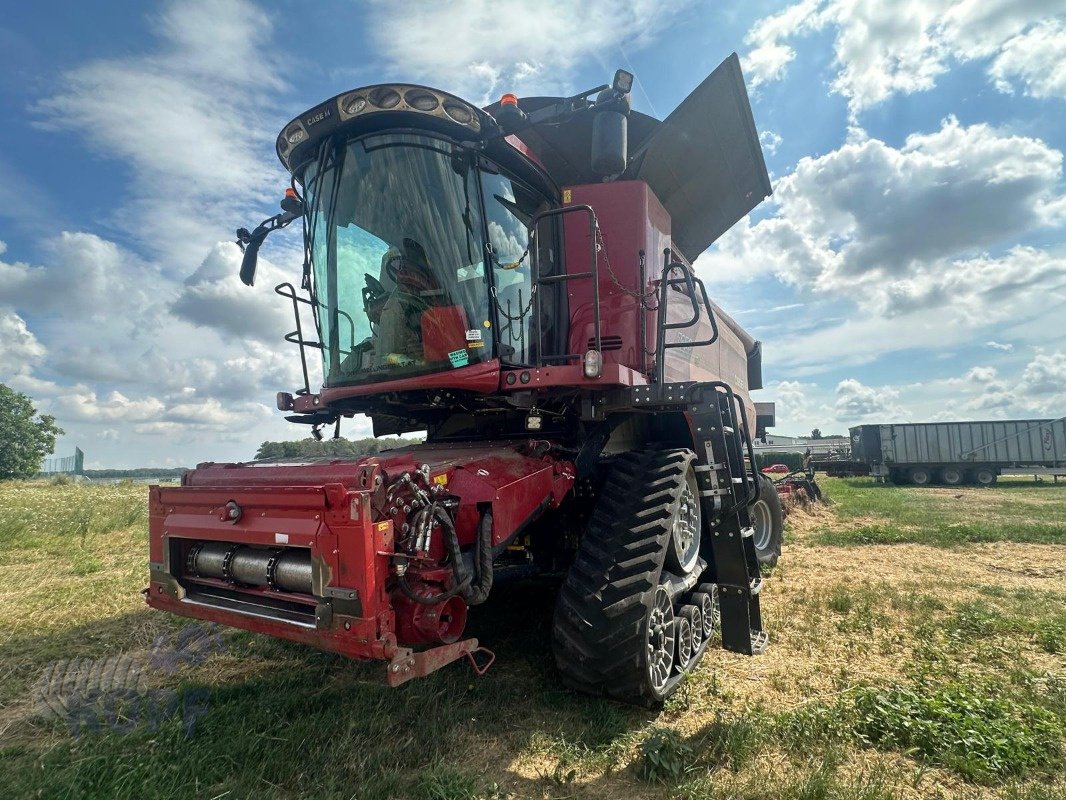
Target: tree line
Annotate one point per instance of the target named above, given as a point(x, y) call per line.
point(338, 448)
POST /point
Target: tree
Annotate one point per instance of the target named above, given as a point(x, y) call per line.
point(25, 437)
point(816, 434)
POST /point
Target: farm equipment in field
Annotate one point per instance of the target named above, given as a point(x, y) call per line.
point(515, 281)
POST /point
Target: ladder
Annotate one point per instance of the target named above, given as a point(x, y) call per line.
point(728, 487)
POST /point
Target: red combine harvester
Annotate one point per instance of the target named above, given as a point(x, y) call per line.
point(516, 281)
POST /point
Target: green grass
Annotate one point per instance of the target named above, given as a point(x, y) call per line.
point(1014, 511)
point(265, 718)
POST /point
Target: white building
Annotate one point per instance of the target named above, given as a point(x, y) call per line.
point(775, 443)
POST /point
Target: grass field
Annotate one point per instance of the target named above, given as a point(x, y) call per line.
point(918, 650)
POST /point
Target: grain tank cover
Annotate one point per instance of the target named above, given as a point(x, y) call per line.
point(704, 162)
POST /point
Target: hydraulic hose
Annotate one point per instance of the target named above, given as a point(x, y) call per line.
point(478, 591)
point(462, 580)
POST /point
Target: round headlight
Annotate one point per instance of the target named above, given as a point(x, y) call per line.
point(384, 97)
point(421, 99)
point(458, 112)
point(295, 134)
point(354, 104)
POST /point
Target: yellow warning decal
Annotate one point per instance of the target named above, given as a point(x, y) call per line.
point(441, 480)
point(383, 526)
point(568, 196)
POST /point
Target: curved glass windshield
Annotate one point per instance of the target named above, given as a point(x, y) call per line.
point(395, 235)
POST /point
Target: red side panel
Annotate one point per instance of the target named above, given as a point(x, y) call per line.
point(635, 229)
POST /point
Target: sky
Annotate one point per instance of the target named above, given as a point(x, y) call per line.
point(910, 265)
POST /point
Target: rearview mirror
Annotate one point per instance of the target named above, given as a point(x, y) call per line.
point(610, 151)
point(250, 261)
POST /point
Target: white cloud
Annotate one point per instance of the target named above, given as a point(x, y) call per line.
point(902, 234)
point(857, 402)
point(770, 141)
point(480, 48)
point(80, 403)
point(188, 118)
point(214, 297)
point(19, 348)
point(871, 210)
point(1036, 60)
point(881, 49)
point(1045, 374)
point(1004, 346)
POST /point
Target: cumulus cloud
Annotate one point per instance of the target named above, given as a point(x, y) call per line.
point(214, 297)
point(904, 233)
point(856, 402)
point(770, 141)
point(1036, 60)
point(19, 348)
point(881, 49)
point(84, 277)
point(1045, 374)
point(509, 45)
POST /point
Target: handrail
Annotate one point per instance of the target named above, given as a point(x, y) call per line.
point(594, 273)
point(296, 300)
point(296, 337)
point(690, 282)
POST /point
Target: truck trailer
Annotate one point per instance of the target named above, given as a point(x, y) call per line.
point(954, 453)
point(516, 281)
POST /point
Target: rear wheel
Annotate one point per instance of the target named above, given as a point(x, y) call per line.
point(951, 476)
point(920, 476)
point(768, 520)
point(985, 476)
point(622, 626)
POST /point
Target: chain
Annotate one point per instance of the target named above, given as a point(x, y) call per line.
point(522, 315)
point(601, 247)
point(510, 264)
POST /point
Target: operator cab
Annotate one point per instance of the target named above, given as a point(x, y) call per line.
point(420, 259)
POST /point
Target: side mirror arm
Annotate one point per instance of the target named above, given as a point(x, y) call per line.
point(250, 241)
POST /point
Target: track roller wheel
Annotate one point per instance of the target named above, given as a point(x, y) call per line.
point(695, 619)
point(615, 630)
point(706, 598)
point(685, 649)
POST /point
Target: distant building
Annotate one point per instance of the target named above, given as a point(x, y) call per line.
point(775, 443)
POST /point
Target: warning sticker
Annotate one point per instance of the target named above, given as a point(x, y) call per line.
point(441, 480)
point(473, 335)
point(568, 196)
point(459, 358)
point(475, 345)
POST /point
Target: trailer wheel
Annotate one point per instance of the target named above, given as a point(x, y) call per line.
point(615, 630)
point(768, 519)
point(985, 476)
point(920, 476)
point(951, 476)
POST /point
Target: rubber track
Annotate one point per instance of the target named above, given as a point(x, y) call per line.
point(599, 625)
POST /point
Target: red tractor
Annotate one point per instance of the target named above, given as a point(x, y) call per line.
point(516, 282)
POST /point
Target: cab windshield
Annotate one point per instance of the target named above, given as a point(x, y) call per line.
point(396, 238)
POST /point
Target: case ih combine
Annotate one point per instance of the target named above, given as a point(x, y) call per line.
point(516, 281)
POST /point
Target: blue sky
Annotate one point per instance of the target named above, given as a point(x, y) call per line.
point(910, 266)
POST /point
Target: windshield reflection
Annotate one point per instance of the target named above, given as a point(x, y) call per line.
point(396, 245)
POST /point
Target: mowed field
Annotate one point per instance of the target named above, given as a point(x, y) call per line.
point(918, 650)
